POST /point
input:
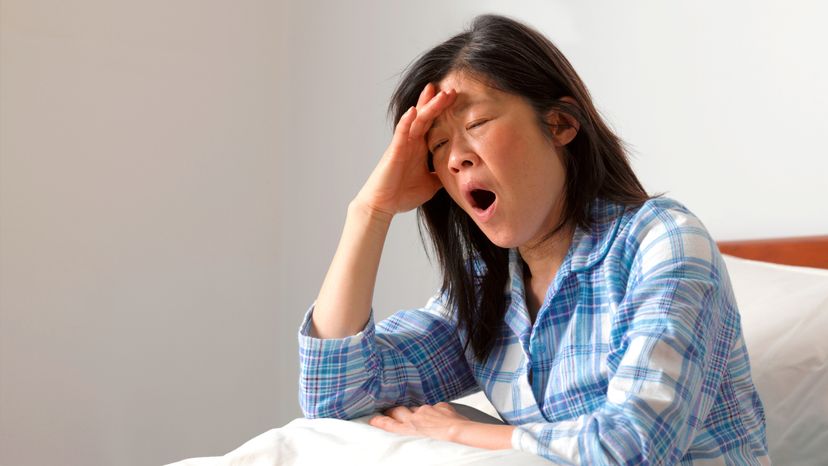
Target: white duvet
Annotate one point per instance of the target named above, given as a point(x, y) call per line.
point(332, 441)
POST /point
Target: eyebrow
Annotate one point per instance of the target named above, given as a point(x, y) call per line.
point(460, 109)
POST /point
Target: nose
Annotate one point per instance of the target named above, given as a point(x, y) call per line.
point(461, 158)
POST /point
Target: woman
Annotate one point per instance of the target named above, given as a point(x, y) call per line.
point(599, 321)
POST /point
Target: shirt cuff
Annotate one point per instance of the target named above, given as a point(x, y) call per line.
point(558, 442)
point(308, 342)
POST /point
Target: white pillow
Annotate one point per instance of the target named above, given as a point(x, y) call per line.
point(784, 313)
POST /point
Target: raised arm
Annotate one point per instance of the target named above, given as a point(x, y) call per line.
point(400, 182)
point(349, 366)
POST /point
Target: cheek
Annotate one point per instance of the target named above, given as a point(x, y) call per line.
point(448, 184)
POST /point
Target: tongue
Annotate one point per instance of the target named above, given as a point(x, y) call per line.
point(483, 198)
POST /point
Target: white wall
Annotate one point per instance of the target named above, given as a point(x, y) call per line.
point(174, 177)
point(140, 273)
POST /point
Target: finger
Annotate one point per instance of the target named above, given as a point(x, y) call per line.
point(444, 405)
point(421, 408)
point(430, 111)
point(426, 94)
point(399, 413)
point(404, 126)
point(383, 422)
point(451, 97)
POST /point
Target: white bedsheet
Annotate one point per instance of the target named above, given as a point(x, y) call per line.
point(315, 442)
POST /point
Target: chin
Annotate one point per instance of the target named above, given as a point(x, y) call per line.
point(503, 239)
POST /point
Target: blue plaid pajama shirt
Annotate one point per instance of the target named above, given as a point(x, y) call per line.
point(636, 355)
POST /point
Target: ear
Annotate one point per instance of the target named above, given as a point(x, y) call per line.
point(563, 126)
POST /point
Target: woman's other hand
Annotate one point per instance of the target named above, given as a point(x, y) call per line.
point(401, 180)
point(440, 421)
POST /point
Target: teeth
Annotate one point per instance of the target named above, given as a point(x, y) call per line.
point(482, 198)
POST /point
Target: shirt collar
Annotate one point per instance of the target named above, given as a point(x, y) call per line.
point(589, 247)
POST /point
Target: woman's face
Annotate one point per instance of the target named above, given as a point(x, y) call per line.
point(495, 161)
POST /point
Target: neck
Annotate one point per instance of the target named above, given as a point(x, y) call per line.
point(544, 257)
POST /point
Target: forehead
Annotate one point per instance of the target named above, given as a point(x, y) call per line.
point(465, 82)
point(471, 91)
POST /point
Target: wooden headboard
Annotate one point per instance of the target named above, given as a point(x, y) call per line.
point(808, 251)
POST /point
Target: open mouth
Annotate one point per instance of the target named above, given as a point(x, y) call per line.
point(482, 198)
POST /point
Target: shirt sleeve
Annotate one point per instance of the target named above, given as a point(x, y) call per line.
point(671, 337)
point(412, 358)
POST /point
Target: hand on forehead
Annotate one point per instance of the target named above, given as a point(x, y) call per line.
point(470, 92)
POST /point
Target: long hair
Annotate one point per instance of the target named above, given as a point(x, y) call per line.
point(512, 57)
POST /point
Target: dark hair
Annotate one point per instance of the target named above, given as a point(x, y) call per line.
point(512, 57)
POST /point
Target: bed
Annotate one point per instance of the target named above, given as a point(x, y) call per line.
point(781, 287)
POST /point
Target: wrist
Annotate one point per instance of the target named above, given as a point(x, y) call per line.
point(481, 435)
point(373, 215)
point(458, 432)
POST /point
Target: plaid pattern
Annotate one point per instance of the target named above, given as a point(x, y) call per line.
point(636, 355)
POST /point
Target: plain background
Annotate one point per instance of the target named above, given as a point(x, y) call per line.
point(174, 176)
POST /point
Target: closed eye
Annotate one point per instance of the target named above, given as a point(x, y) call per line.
point(438, 145)
point(476, 124)
point(471, 126)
